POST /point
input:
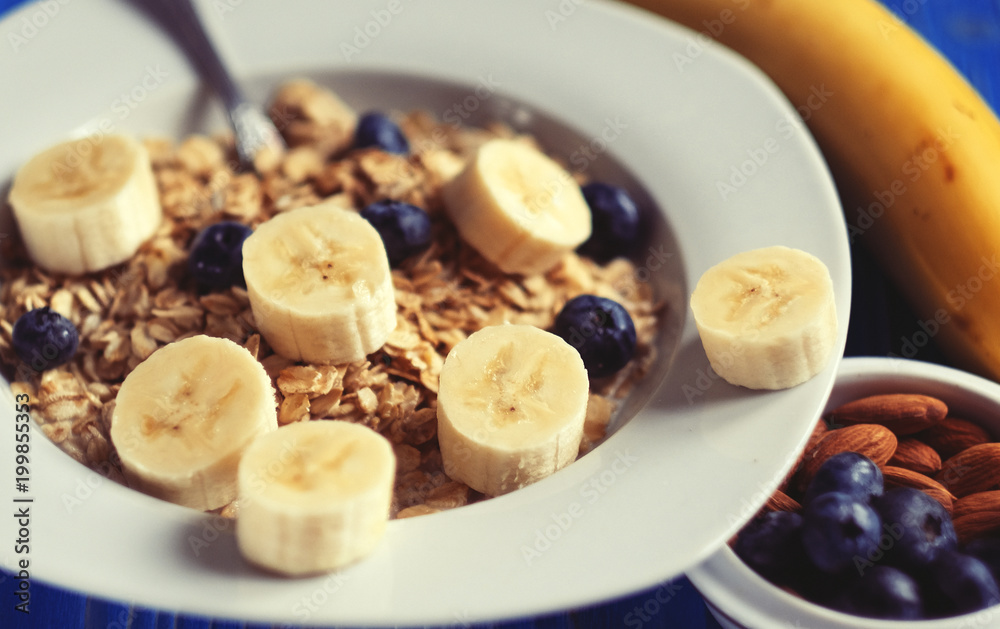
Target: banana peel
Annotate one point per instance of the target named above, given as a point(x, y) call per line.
point(913, 147)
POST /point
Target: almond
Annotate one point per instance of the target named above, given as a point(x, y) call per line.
point(902, 413)
point(902, 477)
point(977, 503)
point(972, 470)
point(976, 525)
point(916, 456)
point(819, 431)
point(780, 501)
point(874, 441)
point(952, 435)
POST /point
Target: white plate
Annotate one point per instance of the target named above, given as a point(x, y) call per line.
point(660, 494)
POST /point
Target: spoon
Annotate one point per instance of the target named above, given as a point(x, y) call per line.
point(252, 129)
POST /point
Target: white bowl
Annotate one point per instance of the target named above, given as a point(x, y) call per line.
point(739, 598)
point(658, 496)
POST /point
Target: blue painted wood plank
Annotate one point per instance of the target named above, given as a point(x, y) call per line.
point(101, 614)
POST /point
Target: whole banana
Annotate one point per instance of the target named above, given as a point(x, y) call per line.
point(913, 147)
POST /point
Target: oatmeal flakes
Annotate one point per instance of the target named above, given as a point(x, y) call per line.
point(415, 510)
point(341, 410)
point(118, 347)
point(57, 432)
point(294, 408)
point(267, 160)
point(97, 447)
point(307, 114)
point(162, 330)
point(242, 197)
point(186, 317)
point(418, 428)
point(448, 496)
point(274, 363)
point(514, 294)
point(442, 164)
point(595, 425)
point(161, 151)
point(143, 344)
point(99, 393)
point(200, 156)
point(62, 302)
point(86, 298)
point(301, 163)
point(407, 458)
point(322, 406)
point(103, 292)
point(227, 327)
point(220, 304)
point(444, 294)
point(367, 400)
point(312, 380)
point(392, 176)
point(252, 345)
point(66, 406)
point(109, 370)
point(412, 487)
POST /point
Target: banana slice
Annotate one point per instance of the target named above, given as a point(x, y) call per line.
point(511, 405)
point(86, 204)
point(184, 416)
point(314, 496)
point(319, 284)
point(518, 208)
point(767, 317)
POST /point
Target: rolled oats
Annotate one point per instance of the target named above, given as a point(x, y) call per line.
point(125, 313)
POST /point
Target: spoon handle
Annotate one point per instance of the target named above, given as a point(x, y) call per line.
point(253, 130)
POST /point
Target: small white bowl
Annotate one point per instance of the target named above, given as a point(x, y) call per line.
point(739, 598)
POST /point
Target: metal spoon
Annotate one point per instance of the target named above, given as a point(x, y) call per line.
point(252, 128)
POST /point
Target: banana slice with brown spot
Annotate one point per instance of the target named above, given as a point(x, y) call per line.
point(319, 284)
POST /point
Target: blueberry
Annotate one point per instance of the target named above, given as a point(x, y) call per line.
point(215, 259)
point(838, 531)
point(987, 550)
point(614, 219)
point(405, 229)
point(849, 473)
point(43, 338)
point(601, 330)
point(919, 526)
point(377, 130)
point(957, 583)
point(882, 592)
point(772, 546)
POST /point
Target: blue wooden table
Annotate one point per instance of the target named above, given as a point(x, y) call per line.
point(968, 32)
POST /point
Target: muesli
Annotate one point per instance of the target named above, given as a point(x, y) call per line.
point(125, 313)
